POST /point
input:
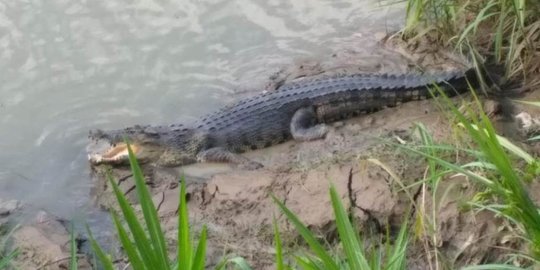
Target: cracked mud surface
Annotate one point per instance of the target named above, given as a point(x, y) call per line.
point(237, 207)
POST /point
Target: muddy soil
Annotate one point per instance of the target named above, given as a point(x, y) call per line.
point(236, 204)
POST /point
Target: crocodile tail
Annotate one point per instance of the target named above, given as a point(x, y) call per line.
point(493, 78)
point(501, 89)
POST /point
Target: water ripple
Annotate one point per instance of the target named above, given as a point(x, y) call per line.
point(71, 66)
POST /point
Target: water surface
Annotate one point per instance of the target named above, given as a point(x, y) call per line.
point(69, 66)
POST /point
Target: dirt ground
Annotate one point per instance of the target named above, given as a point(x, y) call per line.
point(43, 241)
point(368, 174)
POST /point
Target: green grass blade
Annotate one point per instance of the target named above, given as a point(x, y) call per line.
point(499, 36)
point(139, 236)
point(308, 236)
point(452, 167)
point(397, 258)
point(492, 267)
point(414, 12)
point(103, 258)
point(497, 210)
point(533, 103)
point(184, 238)
point(150, 214)
point(278, 246)
point(514, 149)
point(6, 261)
point(199, 258)
point(480, 164)
point(511, 54)
point(129, 248)
point(238, 262)
point(482, 16)
point(72, 249)
point(347, 235)
point(519, 11)
point(308, 264)
point(376, 259)
point(427, 140)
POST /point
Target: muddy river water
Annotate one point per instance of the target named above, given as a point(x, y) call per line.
point(67, 66)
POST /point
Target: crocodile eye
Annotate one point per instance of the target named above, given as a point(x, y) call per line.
point(96, 134)
point(150, 131)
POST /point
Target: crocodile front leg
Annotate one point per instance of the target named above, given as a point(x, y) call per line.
point(304, 125)
point(220, 154)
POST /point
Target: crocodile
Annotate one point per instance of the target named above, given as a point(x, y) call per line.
point(297, 110)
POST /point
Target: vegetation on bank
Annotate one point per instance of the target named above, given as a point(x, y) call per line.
point(500, 32)
point(5, 261)
point(501, 171)
point(505, 31)
point(5, 256)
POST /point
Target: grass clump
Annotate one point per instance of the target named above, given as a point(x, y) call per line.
point(508, 31)
point(499, 167)
point(144, 242)
point(504, 32)
point(5, 261)
point(6, 258)
point(355, 255)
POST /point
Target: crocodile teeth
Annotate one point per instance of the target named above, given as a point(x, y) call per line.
point(95, 158)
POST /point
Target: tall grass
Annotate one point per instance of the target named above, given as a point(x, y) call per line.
point(495, 166)
point(5, 261)
point(503, 31)
point(356, 256)
point(508, 31)
point(144, 241)
point(73, 264)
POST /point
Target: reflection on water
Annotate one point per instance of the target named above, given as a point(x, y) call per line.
point(70, 66)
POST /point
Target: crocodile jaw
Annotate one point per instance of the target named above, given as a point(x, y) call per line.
point(116, 154)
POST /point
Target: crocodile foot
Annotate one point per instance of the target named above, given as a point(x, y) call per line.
point(304, 126)
point(252, 165)
point(219, 154)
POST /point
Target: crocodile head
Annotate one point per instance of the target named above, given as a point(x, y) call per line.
point(161, 145)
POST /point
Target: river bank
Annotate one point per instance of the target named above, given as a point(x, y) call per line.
point(369, 177)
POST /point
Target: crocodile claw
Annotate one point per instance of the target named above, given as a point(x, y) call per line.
point(251, 165)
